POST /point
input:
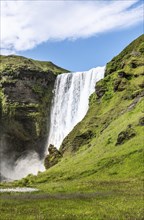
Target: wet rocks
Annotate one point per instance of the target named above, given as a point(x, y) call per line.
point(53, 157)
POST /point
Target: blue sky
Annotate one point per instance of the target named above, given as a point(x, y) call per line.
point(84, 54)
point(76, 35)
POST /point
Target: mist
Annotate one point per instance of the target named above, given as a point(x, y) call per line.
point(24, 165)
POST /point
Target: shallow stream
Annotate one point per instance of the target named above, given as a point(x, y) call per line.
point(19, 189)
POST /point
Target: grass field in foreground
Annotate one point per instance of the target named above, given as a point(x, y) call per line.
point(96, 200)
point(99, 177)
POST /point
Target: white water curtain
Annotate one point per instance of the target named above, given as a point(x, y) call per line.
point(70, 102)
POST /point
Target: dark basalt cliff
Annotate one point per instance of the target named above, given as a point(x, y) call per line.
point(25, 97)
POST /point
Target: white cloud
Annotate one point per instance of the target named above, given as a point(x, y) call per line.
point(25, 24)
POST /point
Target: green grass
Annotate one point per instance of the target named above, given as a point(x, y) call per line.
point(12, 63)
point(99, 181)
point(91, 199)
point(97, 178)
point(129, 54)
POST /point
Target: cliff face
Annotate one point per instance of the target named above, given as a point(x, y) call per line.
point(108, 142)
point(25, 97)
point(100, 174)
point(116, 96)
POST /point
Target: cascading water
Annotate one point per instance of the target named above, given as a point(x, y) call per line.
point(70, 102)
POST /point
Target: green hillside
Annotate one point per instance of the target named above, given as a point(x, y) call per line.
point(100, 174)
point(108, 143)
point(13, 63)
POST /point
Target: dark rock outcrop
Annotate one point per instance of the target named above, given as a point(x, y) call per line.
point(123, 74)
point(120, 85)
point(53, 157)
point(78, 140)
point(100, 88)
point(125, 135)
point(141, 121)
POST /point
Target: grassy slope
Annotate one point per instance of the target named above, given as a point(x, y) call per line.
point(13, 62)
point(96, 179)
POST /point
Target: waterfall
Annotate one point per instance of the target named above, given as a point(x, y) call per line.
point(70, 102)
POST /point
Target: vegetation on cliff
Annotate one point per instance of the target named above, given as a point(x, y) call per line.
point(25, 98)
point(100, 173)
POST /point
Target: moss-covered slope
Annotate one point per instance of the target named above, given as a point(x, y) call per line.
point(99, 176)
point(108, 142)
point(25, 97)
point(131, 57)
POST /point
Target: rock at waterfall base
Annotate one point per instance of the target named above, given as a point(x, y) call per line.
point(53, 157)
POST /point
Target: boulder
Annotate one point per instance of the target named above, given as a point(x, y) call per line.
point(100, 88)
point(53, 157)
